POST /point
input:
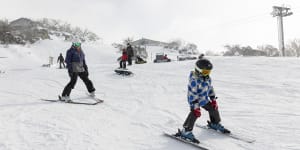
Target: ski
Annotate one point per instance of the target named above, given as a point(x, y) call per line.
point(185, 141)
point(71, 102)
point(97, 101)
point(95, 98)
point(234, 136)
point(123, 72)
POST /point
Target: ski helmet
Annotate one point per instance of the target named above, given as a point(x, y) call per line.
point(76, 44)
point(203, 66)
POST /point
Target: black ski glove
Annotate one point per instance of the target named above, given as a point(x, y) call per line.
point(86, 71)
point(213, 97)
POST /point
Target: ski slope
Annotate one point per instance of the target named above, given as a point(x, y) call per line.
point(258, 98)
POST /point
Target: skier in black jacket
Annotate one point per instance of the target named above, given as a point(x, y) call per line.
point(129, 50)
point(61, 61)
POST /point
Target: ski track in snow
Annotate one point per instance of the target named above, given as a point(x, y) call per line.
point(257, 99)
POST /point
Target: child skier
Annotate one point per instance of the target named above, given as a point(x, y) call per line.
point(123, 59)
point(201, 94)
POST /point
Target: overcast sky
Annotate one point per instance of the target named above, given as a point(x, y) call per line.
point(208, 23)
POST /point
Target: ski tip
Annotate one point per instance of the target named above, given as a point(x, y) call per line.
point(99, 100)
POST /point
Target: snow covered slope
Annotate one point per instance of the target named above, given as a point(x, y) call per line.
point(258, 98)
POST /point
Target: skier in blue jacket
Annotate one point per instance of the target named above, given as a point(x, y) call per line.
point(76, 65)
point(201, 94)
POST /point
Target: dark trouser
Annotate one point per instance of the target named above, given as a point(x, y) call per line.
point(84, 77)
point(123, 64)
point(62, 64)
point(129, 60)
point(214, 115)
point(191, 118)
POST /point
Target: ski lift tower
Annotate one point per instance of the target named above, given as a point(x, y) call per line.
point(280, 12)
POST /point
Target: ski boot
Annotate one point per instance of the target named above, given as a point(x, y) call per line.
point(187, 135)
point(218, 127)
point(65, 99)
point(92, 94)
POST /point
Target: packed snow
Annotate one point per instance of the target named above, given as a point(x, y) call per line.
point(258, 99)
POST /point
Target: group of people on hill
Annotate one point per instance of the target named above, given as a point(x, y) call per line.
point(127, 54)
point(77, 67)
point(200, 93)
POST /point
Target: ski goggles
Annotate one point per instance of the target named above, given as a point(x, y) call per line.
point(76, 44)
point(205, 72)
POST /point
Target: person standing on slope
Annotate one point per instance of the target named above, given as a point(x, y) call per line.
point(129, 53)
point(76, 65)
point(201, 94)
point(61, 60)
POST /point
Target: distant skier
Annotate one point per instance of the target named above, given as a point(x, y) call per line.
point(76, 65)
point(139, 60)
point(130, 54)
point(123, 60)
point(201, 94)
point(61, 61)
point(165, 56)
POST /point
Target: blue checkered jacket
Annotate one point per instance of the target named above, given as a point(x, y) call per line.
point(199, 89)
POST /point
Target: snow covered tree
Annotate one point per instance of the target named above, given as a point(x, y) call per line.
point(175, 44)
point(128, 40)
point(269, 49)
point(293, 47)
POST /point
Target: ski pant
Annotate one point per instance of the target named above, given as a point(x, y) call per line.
point(129, 60)
point(123, 64)
point(191, 118)
point(84, 77)
point(62, 64)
